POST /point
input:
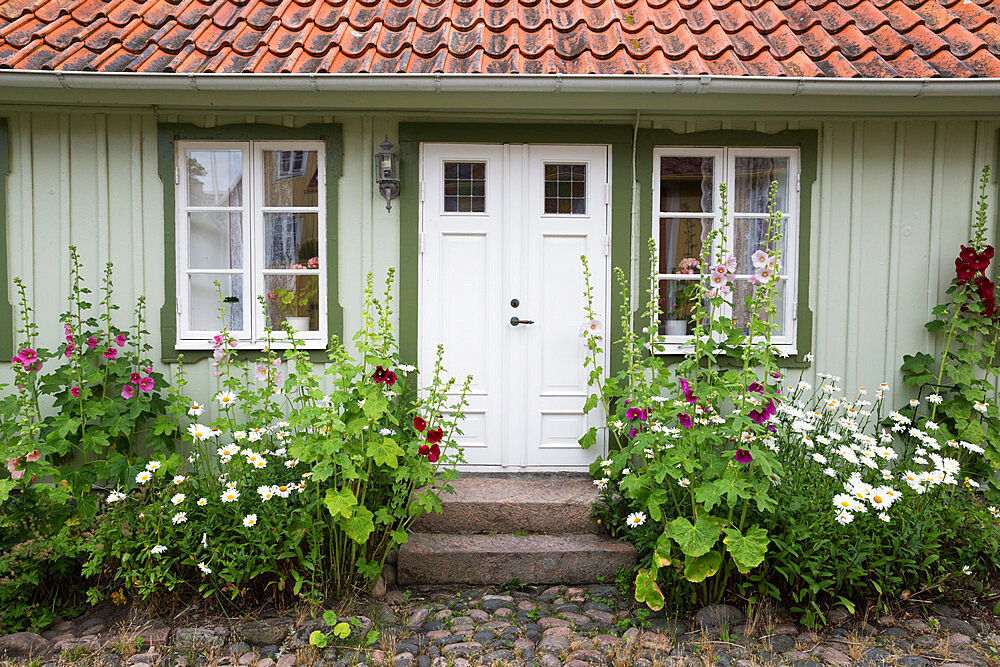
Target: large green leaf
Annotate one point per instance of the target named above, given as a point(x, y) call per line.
point(6, 486)
point(747, 550)
point(360, 525)
point(385, 452)
point(695, 539)
point(704, 566)
point(340, 503)
point(647, 591)
point(589, 438)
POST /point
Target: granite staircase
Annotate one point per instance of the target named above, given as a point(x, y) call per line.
point(497, 528)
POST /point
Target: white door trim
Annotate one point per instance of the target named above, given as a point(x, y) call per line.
point(510, 233)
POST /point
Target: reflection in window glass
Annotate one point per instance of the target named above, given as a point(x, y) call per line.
point(676, 307)
point(204, 299)
point(686, 184)
point(291, 241)
point(741, 316)
point(465, 187)
point(680, 244)
point(566, 188)
point(292, 299)
point(753, 179)
point(215, 240)
point(290, 178)
point(215, 177)
point(749, 235)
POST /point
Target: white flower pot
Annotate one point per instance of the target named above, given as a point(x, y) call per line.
point(676, 328)
point(298, 323)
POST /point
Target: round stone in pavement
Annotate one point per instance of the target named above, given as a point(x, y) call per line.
point(500, 655)
point(874, 655)
point(913, 661)
point(780, 643)
point(807, 663)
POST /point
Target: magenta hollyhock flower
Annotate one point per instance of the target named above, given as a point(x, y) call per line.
point(111, 353)
point(16, 361)
point(743, 456)
point(37, 366)
point(92, 342)
point(74, 391)
point(632, 432)
point(632, 413)
point(128, 391)
point(28, 355)
point(69, 339)
point(684, 419)
point(67, 329)
point(149, 369)
point(134, 378)
point(756, 387)
point(120, 340)
point(146, 384)
point(69, 350)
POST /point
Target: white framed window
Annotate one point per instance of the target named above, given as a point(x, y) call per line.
point(687, 205)
point(251, 215)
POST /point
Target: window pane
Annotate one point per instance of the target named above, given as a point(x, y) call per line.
point(680, 244)
point(215, 177)
point(291, 178)
point(465, 187)
point(753, 178)
point(748, 237)
point(204, 302)
point(566, 188)
point(676, 306)
point(686, 184)
point(294, 299)
point(215, 240)
point(291, 241)
point(741, 315)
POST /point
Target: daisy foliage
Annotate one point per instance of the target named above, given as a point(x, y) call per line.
point(301, 484)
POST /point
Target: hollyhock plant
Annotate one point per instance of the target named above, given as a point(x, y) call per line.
point(706, 443)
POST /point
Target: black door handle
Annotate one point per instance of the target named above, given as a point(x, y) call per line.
point(514, 321)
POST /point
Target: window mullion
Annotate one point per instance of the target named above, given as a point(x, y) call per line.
point(254, 279)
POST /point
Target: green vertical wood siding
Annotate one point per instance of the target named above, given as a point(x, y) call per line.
point(891, 202)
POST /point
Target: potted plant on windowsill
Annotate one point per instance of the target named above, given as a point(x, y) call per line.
point(676, 321)
point(293, 306)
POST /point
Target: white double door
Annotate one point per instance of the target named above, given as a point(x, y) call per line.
point(503, 228)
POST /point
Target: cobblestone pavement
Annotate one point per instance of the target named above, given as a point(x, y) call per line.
point(541, 626)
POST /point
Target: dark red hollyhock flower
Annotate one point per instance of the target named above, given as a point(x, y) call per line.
point(379, 375)
point(419, 423)
point(756, 387)
point(984, 286)
point(434, 435)
point(743, 456)
point(424, 450)
point(434, 454)
point(964, 271)
point(684, 419)
point(390, 378)
point(982, 260)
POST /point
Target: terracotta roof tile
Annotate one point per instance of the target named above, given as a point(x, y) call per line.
point(828, 38)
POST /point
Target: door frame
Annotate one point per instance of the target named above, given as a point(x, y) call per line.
point(412, 135)
point(513, 176)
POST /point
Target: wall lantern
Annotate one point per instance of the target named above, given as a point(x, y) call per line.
point(387, 173)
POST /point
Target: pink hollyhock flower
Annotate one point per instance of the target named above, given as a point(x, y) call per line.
point(260, 372)
point(146, 384)
point(111, 353)
point(731, 264)
point(219, 354)
point(37, 366)
point(134, 378)
point(120, 340)
point(16, 361)
point(128, 391)
point(67, 329)
point(69, 350)
point(74, 391)
point(28, 355)
point(69, 339)
point(31, 457)
point(12, 469)
point(92, 342)
point(148, 369)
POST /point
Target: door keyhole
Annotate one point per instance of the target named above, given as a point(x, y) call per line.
point(514, 303)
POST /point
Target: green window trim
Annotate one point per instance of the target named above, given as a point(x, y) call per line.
point(411, 135)
point(807, 141)
point(6, 308)
point(167, 134)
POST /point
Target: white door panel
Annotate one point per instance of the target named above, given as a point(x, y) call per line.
point(514, 227)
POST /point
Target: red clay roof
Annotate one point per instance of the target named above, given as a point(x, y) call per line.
point(812, 38)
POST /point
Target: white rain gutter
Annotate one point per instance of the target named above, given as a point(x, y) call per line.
point(486, 83)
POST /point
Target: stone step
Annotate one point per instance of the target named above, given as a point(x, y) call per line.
point(496, 504)
point(445, 558)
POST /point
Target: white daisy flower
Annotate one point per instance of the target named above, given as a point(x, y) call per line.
point(180, 517)
point(993, 510)
point(179, 478)
point(844, 518)
point(966, 570)
point(204, 568)
point(936, 399)
point(684, 482)
point(199, 432)
point(931, 426)
point(196, 409)
point(601, 483)
point(157, 550)
point(225, 398)
point(178, 498)
point(635, 519)
point(230, 496)
point(153, 466)
point(250, 520)
point(115, 496)
point(202, 502)
point(843, 501)
point(980, 407)
point(830, 472)
point(239, 435)
point(143, 477)
point(884, 517)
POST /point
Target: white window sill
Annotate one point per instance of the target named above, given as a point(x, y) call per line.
point(245, 346)
point(674, 347)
